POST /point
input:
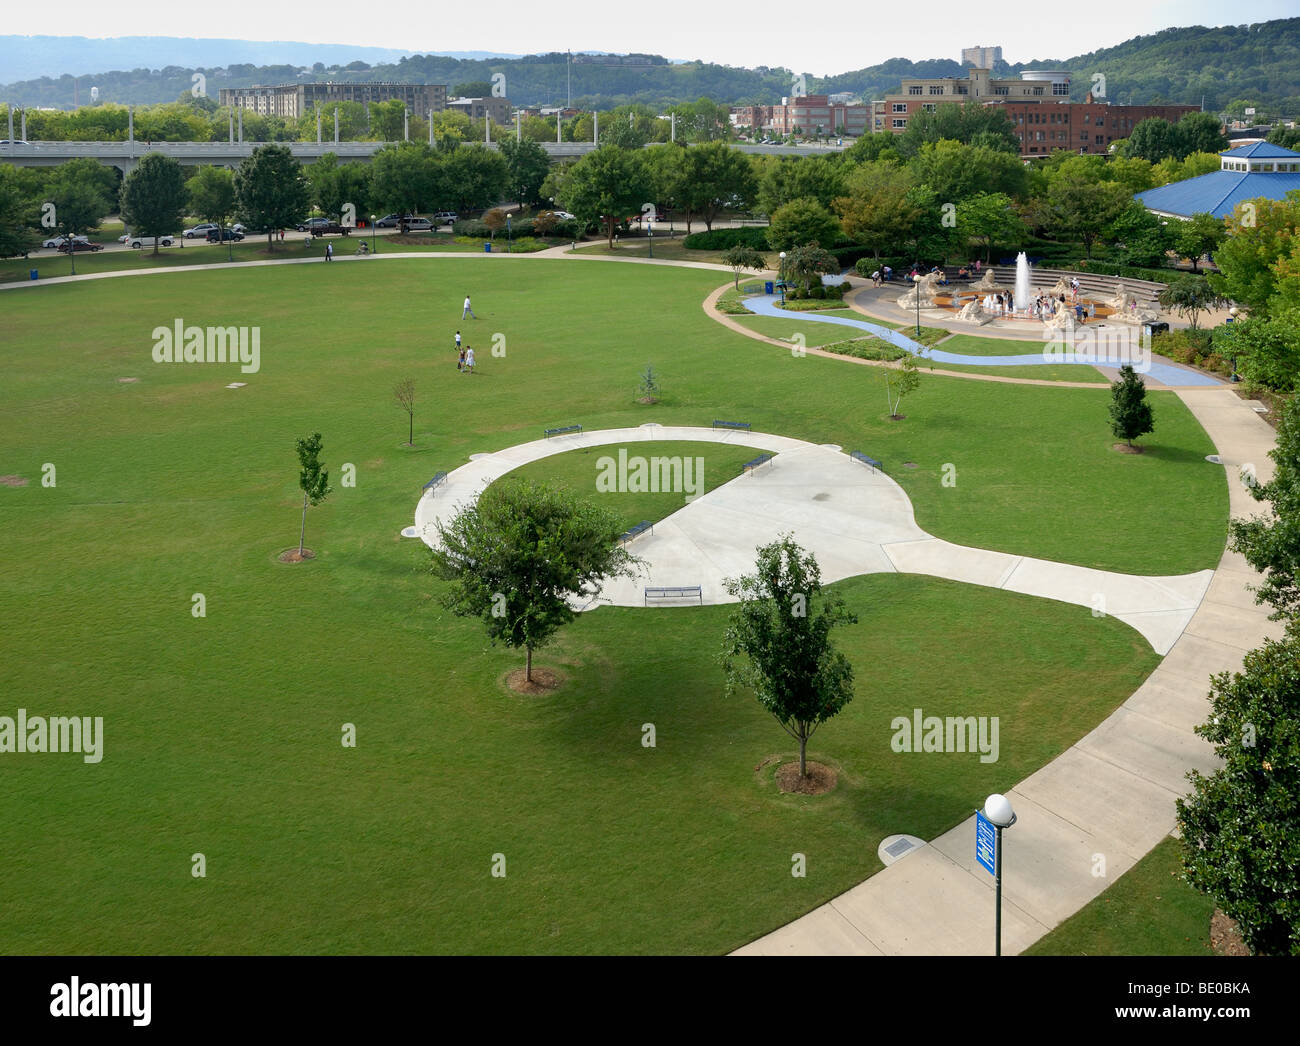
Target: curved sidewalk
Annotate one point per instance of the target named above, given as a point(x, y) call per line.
point(1111, 793)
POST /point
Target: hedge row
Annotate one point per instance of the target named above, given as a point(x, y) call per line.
point(476, 229)
point(720, 239)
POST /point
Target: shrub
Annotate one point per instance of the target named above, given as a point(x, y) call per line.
point(721, 239)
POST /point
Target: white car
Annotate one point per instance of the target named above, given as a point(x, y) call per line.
point(199, 232)
point(138, 242)
point(563, 216)
point(59, 241)
point(418, 225)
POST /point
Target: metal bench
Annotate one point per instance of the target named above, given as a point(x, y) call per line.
point(636, 531)
point(564, 429)
point(675, 592)
point(875, 465)
point(439, 478)
point(750, 466)
point(730, 424)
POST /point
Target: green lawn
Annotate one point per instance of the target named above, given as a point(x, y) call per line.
point(1038, 372)
point(973, 345)
point(580, 470)
point(222, 733)
point(1150, 910)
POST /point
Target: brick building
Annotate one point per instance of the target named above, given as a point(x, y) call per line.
point(806, 115)
point(294, 100)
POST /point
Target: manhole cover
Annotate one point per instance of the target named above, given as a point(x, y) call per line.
point(410, 532)
point(1214, 459)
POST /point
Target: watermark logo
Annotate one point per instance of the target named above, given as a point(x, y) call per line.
point(74, 999)
point(49, 218)
point(1247, 215)
point(1099, 85)
point(923, 733)
point(80, 734)
point(798, 866)
point(1104, 346)
point(799, 348)
point(798, 86)
point(498, 85)
point(658, 475)
point(199, 86)
point(949, 219)
point(648, 735)
point(498, 345)
point(193, 344)
point(349, 216)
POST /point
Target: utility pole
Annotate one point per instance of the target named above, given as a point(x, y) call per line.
point(519, 125)
point(568, 81)
point(336, 125)
point(318, 124)
point(431, 127)
point(595, 128)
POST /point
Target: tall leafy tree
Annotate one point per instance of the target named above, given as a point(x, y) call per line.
point(527, 165)
point(1198, 133)
point(520, 555)
point(1084, 210)
point(79, 204)
point(211, 196)
point(1200, 235)
point(989, 220)
point(270, 190)
point(715, 177)
point(17, 216)
point(778, 642)
point(406, 178)
point(1240, 826)
point(1261, 234)
point(607, 185)
point(802, 222)
point(877, 210)
point(153, 197)
point(785, 180)
point(473, 177)
point(956, 172)
point(313, 479)
point(1130, 413)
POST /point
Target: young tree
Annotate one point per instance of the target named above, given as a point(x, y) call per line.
point(778, 644)
point(1271, 543)
point(741, 258)
point(313, 478)
point(805, 265)
point(1240, 826)
point(153, 197)
point(270, 190)
point(803, 221)
point(1130, 413)
point(211, 196)
point(900, 382)
point(520, 554)
point(495, 220)
point(1190, 296)
point(404, 397)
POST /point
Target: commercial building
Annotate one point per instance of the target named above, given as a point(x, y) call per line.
point(810, 114)
point(499, 109)
point(294, 100)
point(980, 57)
point(1038, 105)
point(1248, 173)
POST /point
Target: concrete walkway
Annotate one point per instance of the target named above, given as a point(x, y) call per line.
point(1111, 794)
point(853, 519)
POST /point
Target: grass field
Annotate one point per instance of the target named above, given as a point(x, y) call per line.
point(222, 733)
point(1150, 910)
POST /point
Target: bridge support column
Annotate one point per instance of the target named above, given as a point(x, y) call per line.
point(336, 125)
point(519, 126)
point(318, 125)
point(595, 128)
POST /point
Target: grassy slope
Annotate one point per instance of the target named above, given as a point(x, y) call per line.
point(222, 733)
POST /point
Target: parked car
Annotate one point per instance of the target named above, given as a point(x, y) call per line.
point(390, 221)
point(57, 242)
point(13, 141)
point(329, 228)
point(199, 231)
point(418, 225)
point(561, 216)
point(445, 218)
point(221, 235)
point(80, 244)
point(137, 242)
point(239, 228)
point(313, 223)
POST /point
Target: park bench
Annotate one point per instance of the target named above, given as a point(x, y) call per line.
point(439, 478)
point(636, 531)
point(562, 430)
point(749, 466)
point(730, 424)
point(675, 592)
point(875, 465)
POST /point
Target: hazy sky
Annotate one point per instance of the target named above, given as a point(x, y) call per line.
point(811, 38)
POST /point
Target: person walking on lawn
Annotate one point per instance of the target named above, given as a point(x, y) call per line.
point(467, 311)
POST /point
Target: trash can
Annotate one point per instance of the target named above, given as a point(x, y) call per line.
point(33, 274)
point(487, 248)
point(768, 287)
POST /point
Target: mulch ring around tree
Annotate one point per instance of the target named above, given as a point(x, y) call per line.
point(1124, 448)
point(819, 780)
point(12, 481)
point(544, 681)
point(1225, 937)
point(291, 555)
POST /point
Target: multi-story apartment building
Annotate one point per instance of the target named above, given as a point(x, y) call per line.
point(294, 100)
point(499, 109)
point(809, 114)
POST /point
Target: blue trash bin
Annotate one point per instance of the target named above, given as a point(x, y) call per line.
point(768, 287)
point(33, 274)
point(487, 248)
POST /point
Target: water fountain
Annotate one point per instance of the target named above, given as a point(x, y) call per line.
point(1021, 298)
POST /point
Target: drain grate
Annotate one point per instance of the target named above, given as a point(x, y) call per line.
point(899, 848)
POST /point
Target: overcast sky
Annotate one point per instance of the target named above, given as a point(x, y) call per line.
point(813, 38)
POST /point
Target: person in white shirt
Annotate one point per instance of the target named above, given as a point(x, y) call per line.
point(467, 311)
point(469, 361)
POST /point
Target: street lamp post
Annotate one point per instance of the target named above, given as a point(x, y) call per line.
point(373, 245)
point(650, 227)
point(507, 234)
point(781, 280)
point(997, 809)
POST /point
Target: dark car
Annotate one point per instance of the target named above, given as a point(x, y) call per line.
point(81, 245)
point(312, 223)
point(220, 235)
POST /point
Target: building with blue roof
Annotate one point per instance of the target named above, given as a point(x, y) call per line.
point(1252, 171)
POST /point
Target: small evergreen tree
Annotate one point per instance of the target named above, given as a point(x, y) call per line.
point(1130, 413)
